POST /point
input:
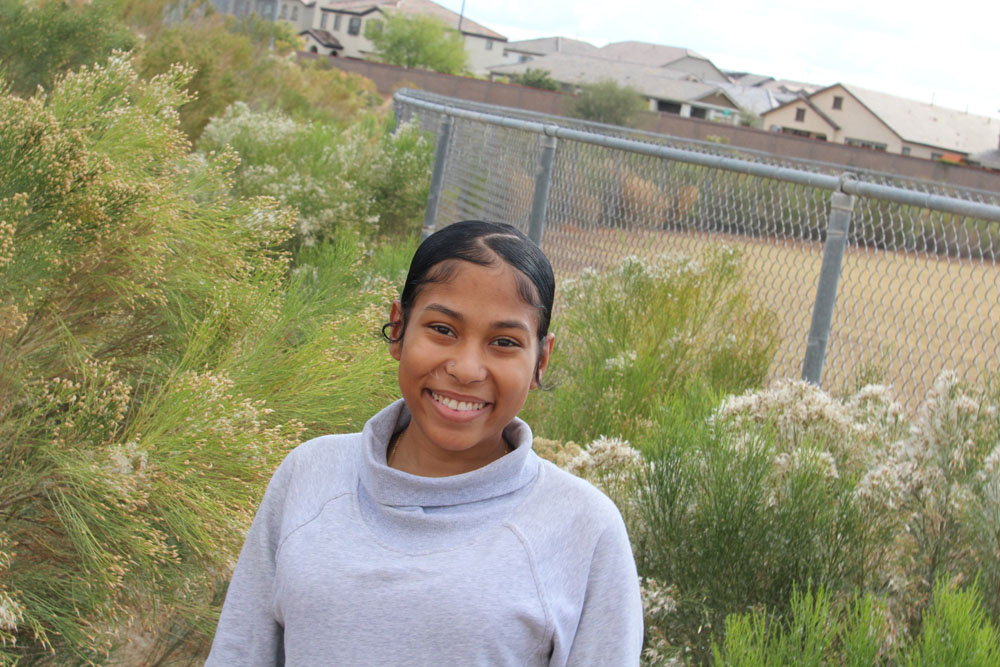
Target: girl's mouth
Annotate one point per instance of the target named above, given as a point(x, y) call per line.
point(458, 406)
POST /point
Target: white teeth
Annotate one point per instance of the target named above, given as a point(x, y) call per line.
point(461, 406)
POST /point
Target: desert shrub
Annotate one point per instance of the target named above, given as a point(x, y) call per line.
point(158, 360)
point(417, 40)
point(365, 179)
point(231, 62)
point(607, 102)
point(629, 338)
point(41, 40)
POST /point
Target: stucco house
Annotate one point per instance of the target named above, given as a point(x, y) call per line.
point(667, 90)
point(848, 114)
point(529, 49)
point(345, 21)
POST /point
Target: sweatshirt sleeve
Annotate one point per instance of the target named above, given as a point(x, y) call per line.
point(248, 633)
point(610, 630)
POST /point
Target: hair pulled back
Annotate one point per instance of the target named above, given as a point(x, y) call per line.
point(483, 243)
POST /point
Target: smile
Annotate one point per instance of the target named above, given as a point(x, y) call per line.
point(460, 406)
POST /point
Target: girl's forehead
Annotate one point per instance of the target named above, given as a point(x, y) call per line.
point(495, 285)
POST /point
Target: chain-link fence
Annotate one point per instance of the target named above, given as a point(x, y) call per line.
point(912, 265)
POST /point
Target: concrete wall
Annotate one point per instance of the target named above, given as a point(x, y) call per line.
point(388, 78)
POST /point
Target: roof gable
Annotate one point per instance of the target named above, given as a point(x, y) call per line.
point(646, 53)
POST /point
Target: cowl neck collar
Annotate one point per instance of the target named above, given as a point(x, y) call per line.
point(388, 486)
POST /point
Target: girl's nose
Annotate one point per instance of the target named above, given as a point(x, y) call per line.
point(466, 366)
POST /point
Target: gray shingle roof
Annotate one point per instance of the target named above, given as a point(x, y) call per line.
point(928, 124)
point(546, 45)
point(655, 55)
point(654, 82)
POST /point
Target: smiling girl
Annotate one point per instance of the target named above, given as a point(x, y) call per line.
point(436, 536)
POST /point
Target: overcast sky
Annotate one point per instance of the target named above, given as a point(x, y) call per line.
point(946, 52)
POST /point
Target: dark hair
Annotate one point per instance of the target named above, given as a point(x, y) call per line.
point(481, 243)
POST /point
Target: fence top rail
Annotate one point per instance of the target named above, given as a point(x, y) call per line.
point(846, 182)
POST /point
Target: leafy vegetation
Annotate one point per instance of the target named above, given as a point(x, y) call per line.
point(536, 78)
point(419, 41)
point(40, 41)
point(158, 358)
point(607, 102)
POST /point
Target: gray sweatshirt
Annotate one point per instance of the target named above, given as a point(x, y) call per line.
point(350, 562)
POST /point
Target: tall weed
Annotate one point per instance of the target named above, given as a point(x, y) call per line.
point(630, 338)
point(156, 361)
point(363, 180)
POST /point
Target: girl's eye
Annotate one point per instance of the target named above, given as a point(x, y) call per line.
point(506, 342)
point(441, 329)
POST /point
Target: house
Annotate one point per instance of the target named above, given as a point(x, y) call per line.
point(659, 55)
point(665, 89)
point(848, 114)
point(321, 42)
point(345, 21)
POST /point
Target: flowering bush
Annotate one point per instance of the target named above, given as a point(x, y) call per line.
point(769, 495)
point(362, 180)
point(157, 361)
point(635, 335)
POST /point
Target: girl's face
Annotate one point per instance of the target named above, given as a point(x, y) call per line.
point(467, 359)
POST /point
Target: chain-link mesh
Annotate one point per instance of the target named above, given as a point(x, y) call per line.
point(919, 289)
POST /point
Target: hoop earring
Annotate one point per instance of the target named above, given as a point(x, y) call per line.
point(386, 336)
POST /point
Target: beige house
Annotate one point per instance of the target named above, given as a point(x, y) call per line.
point(345, 21)
point(847, 114)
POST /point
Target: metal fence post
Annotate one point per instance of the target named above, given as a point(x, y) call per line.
point(841, 208)
point(543, 177)
point(437, 176)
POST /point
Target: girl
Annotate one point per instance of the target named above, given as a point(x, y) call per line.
point(436, 536)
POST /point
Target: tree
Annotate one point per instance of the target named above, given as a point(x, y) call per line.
point(536, 78)
point(607, 102)
point(39, 41)
point(417, 41)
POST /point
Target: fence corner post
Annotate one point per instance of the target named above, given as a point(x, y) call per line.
point(543, 178)
point(838, 226)
point(437, 176)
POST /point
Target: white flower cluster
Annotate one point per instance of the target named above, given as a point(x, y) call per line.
point(605, 457)
point(621, 361)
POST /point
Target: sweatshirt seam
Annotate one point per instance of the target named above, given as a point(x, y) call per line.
point(539, 587)
point(305, 523)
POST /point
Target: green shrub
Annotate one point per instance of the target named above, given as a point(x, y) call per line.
point(956, 631)
point(157, 361)
point(41, 40)
point(607, 102)
point(361, 180)
point(628, 339)
point(231, 62)
point(418, 40)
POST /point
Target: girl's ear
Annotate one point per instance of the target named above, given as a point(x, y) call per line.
point(396, 329)
point(543, 358)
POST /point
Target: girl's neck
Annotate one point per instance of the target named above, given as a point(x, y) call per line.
point(407, 452)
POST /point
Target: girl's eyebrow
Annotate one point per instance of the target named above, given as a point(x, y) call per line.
point(501, 324)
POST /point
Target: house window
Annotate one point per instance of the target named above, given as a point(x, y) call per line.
point(864, 143)
point(354, 26)
point(336, 22)
point(699, 112)
point(522, 59)
point(838, 102)
point(906, 150)
point(668, 107)
point(322, 21)
point(937, 156)
point(489, 45)
point(295, 12)
point(284, 10)
point(800, 115)
point(375, 24)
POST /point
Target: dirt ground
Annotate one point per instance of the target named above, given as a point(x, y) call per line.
point(900, 318)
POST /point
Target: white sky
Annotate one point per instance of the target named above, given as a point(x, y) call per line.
point(946, 51)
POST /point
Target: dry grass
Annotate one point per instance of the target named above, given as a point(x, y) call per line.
point(900, 318)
